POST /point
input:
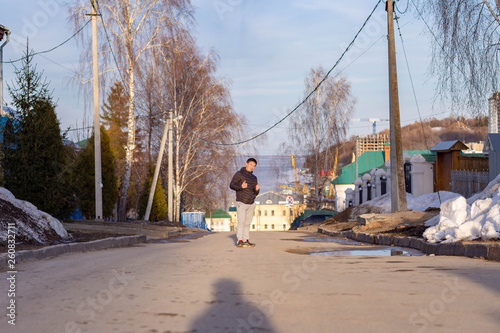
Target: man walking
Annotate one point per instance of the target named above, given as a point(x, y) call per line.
point(246, 186)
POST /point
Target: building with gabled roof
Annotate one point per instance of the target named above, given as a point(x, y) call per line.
point(492, 148)
point(218, 220)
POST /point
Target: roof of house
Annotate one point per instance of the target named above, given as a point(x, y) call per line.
point(366, 162)
point(273, 198)
point(310, 212)
point(492, 142)
point(449, 146)
point(217, 214)
point(374, 159)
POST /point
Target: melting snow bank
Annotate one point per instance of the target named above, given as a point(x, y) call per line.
point(474, 218)
point(382, 204)
point(32, 225)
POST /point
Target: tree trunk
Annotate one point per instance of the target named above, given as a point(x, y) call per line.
point(129, 157)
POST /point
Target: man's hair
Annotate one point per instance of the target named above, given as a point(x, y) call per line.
point(251, 159)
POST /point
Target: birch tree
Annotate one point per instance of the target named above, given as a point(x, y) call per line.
point(205, 118)
point(320, 123)
point(466, 40)
point(128, 30)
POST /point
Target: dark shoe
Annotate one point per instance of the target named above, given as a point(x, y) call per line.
point(240, 243)
point(248, 244)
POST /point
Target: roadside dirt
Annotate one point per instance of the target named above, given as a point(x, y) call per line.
point(77, 236)
point(397, 223)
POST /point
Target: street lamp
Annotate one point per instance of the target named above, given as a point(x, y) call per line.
point(3, 31)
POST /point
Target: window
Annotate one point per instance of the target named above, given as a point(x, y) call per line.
point(272, 226)
point(265, 213)
point(265, 226)
point(260, 213)
point(253, 226)
point(284, 226)
point(272, 213)
point(284, 213)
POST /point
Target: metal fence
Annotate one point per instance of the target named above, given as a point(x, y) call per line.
point(467, 183)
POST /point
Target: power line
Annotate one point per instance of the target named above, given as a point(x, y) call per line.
point(98, 10)
point(406, 9)
point(50, 50)
point(411, 80)
point(443, 49)
point(307, 97)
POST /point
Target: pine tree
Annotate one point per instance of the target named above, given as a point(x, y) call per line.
point(114, 118)
point(34, 156)
point(159, 206)
point(84, 178)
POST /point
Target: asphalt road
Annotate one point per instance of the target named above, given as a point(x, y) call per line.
point(209, 285)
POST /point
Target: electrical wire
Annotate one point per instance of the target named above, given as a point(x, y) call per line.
point(50, 50)
point(406, 9)
point(442, 47)
point(411, 81)
point(98, 10)
point(307, 97)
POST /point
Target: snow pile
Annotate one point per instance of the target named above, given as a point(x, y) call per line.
point(32, 225)
point(461, 219)
point(382, 204)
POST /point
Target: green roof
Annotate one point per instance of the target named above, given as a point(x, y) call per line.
point(366, 162)
point(374, 159)
point(217, 214)
point(310, 212)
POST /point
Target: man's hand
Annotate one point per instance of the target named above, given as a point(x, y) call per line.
point(244, 185)
point(257, 187)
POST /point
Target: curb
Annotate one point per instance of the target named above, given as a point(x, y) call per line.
point(57, 250)
point(484, 251)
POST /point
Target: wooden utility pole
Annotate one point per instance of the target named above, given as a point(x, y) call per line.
point(97, 121)
point(398, 190)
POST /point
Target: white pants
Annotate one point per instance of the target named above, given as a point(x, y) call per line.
point(245, 215)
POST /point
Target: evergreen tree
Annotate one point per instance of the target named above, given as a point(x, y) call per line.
point(159, 206)
point(34, 156)
point(114, 118)
point(84, 178)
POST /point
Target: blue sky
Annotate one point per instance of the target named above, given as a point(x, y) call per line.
point(266, 49)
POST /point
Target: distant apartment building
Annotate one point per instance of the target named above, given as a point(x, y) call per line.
point(371, 143)
point(493, 119)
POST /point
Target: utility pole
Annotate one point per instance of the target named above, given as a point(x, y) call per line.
point(398, 191)
point(170, 193)
point(97, 122)
point(157, 172)
point(356, 156)
point(3, 31)
point(167, 129)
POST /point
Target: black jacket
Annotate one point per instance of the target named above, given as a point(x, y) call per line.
point(245, 195)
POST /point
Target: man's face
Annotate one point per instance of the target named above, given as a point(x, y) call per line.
point(251, 166)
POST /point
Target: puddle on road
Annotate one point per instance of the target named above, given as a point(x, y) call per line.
point(385, 252)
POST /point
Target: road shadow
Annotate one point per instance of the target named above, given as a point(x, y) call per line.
point(231, 312)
